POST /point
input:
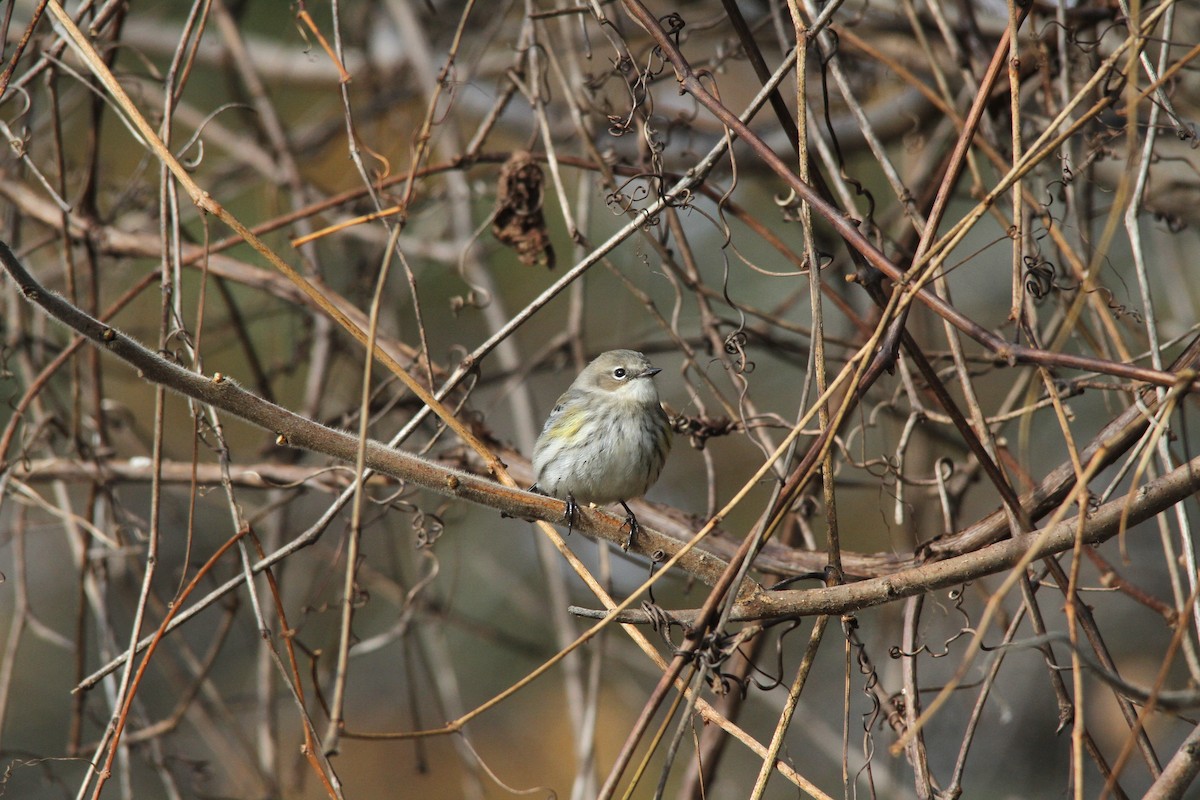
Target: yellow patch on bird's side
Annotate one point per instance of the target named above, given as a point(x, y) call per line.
point(569, 428)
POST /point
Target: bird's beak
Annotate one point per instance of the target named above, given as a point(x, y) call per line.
point(650, 373)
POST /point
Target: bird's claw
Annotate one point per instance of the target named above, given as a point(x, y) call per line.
point(634, 527)
point(572, 513)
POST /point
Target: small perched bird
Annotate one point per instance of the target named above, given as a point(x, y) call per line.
point(607, 438)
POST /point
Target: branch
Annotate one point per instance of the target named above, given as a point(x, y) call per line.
point(293, 430)
point(848, 229)
point(1099, 526)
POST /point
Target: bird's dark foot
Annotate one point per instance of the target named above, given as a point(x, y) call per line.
point(634, 527)
point(572, 513)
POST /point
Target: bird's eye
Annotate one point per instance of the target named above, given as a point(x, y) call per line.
point(619, 373)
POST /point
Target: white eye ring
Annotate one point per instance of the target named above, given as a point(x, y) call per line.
point(619, 373)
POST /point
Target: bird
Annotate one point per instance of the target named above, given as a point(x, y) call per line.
point(606, 439)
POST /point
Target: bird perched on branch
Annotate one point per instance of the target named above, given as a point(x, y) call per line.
point(607, 438)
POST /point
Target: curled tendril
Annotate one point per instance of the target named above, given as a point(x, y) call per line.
point(1119, 309)
point(830, 47)
point(828, 50)
point(716, 649)
point(673, 24)
point(660, 620)
point(1090, 45)
point(871, 680)
point(789, 206)
point(636, 82)
point(649, 221)
point(428, 527)
point(722, 683)
point(682, 200)
point(789, 200)
point(652, 568)
point(956, 595)
point(618, 126)
point(883, 467)
point(629, 195)
point(945, 471)
point(735, 345)
point(637, 192)
point(1039, 276)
